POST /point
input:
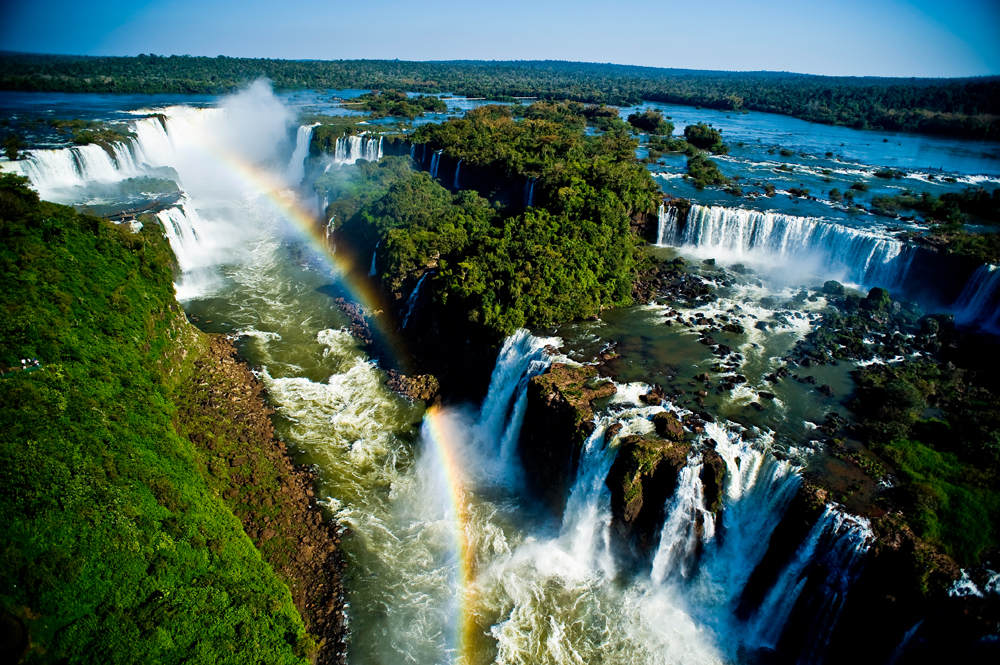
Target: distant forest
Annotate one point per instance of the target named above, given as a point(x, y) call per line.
point(965, 107)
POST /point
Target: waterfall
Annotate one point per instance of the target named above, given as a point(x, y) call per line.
point(435, 162)
point(980, 299)
point(522, 357)
point(680, 540)
point(74, 167)
point(458, 169)
point(836, 564)
point(329, 234)
point(756, 492)
point(770, 618)
point(414, 299)
point(413, 152)
point(529, 193)
point(296, 169)
point(666, 227)
point(802, 244)
point(350, 149)
point(372, 272)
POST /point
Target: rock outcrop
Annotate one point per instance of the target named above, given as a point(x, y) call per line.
point(557, 420)
point(643, 476)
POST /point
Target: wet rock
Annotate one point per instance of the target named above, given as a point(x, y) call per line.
point(557, 420)
point(643, 475)
point(668, 427)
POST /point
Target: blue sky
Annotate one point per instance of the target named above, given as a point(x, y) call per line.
point(836, 37)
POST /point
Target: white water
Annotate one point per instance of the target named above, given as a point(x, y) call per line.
point(435, 163)
point(791, 246)
point(296, 169)
point(980, 299)
point(458, 169)
point(414, 300)
point(352, 148)
point(372, 272)
point(666, 227)
point(529, 193)
point(837, 538)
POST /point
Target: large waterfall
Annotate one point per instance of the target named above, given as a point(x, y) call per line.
point(296, 170)
point(796, 246)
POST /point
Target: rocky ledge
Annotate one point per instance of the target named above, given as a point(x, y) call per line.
point(221, 409)
point(557, 420)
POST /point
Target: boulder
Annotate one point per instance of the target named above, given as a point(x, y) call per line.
point(668, 427)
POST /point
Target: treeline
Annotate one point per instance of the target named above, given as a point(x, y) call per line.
point(495, 263)
point(967, 107)
point(116, 545)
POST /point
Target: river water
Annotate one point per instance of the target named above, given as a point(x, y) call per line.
point(449, 559)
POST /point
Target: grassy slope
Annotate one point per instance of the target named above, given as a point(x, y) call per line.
point(114, 548)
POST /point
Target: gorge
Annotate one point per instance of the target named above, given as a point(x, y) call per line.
point(638, 453)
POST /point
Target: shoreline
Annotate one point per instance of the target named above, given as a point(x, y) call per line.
point(222, 410)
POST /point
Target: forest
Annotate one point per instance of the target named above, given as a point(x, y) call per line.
point(964, 107)
point(567, 256)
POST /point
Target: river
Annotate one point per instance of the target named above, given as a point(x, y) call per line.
point(449, 559)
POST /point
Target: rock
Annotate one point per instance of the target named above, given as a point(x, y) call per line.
point(611, 432)
point(643, 475)
point(238, 461)
point(557, 420)
point(668, 426)
point(654, 397)
point(422, 387)
point(826, 390)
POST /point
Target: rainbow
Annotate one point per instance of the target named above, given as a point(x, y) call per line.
point(439, 435)
point(277, 193)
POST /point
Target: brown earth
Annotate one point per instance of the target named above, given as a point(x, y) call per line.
point(222, 410)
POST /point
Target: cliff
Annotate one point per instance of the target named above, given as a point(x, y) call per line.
point(120, 543)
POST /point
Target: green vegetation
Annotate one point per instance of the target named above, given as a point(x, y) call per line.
point(706, 137)
point(703, 171)
point(116, 547)
point(496, 265)
point(968, 107)
point(13, 147)
point(395, 103)
point(651, 121)
point(85, 132)
point(949, 208)
point(947, 463)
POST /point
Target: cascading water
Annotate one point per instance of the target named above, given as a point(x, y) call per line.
point(372, 272)
point(51, 171)
point(836, 544)
point(435, 163)
point(680, 539)
point(776, 242)
point(413, 152)
point(296, 170)
point(414, 300)
point(458, 169)
point(980, 299)
point(329, 234)
point(529, 193)
point(836, 564)
point(666, 228)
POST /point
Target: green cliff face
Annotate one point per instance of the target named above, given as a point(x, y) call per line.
point(114, 546)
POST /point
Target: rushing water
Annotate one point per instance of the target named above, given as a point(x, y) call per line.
point(449, 559)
